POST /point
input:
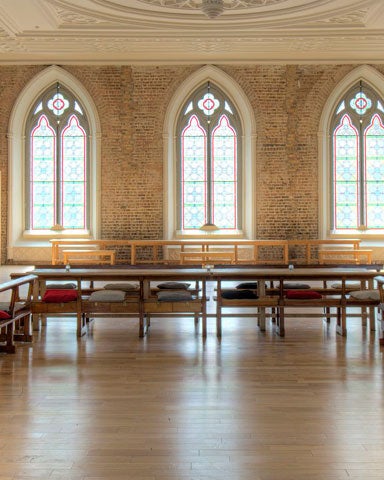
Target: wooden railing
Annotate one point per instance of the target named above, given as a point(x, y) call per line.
point(15, 323)
point(173, 251)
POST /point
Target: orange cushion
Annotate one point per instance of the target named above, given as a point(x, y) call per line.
point(59, 296)
point(302, 294)
point(4, 314)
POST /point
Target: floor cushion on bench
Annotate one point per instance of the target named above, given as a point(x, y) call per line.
point(59, 296)
point(174, 285)
point(247, 286)
point(174, 296)
point(110, 296)
point(236, 294)
point(4, 315)
point(125, 287)
point(302, 294)
point(348, 284)
point(295, 286)
point(365, 295)
point(61, 286)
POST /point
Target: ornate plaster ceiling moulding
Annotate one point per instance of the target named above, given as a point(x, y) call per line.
point(74, 18)
point(212, 8)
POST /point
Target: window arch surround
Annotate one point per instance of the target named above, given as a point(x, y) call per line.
point(17, 235)
point(236, 95)
point(374, 80)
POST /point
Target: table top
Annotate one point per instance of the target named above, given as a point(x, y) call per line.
point(204, 273)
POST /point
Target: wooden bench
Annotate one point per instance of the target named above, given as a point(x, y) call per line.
point(18, 326)
point(96, 257)
point(341, 256)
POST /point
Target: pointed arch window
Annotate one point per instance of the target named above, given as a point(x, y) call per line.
point(57, 163)
point(209, 166)
point(357, 133)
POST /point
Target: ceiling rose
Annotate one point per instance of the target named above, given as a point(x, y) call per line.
point(212, 8)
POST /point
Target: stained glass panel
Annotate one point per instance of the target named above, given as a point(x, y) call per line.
point(224, 175)
point(57, 162)
point(73, 175)
point(193, 168)
point(374, 173)
point(208, 183)
point(346, 175)
point(361, 103)
point(42, 176)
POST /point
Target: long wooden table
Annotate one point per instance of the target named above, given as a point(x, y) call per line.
point(281, 275)
point(219, 275)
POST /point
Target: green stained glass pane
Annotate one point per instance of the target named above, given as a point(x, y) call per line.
point(346, 174)
point(42, 175)
point(374, 167)
point(224, 175)
point(74, 175)
point(193, 178)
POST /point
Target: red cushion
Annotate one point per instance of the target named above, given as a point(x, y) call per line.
point(59, 296)
point(4, 314)
point(302, 294)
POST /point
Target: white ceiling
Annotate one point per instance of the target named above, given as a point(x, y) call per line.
point(176, 31)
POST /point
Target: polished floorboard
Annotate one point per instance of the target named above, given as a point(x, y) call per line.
point(252, 406)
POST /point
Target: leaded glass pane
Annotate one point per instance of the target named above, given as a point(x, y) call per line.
point(208, 180)
point(39, 108)
point(361, 103)
point(42, 176)
point(193, 175)
point(358, 160)
point(73, 176)
point(58, 104)
point(208, 104)
point(346, 174)
point(189, 107)
point(374, 167)
point(57, 162)
point(224, 175)
point(78, 108)
point(341, 107)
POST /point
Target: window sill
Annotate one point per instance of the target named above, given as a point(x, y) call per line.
point(214, 235)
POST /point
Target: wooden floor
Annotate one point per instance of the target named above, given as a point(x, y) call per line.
point(254, 406)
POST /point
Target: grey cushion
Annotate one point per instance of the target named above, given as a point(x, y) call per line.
point(365, 295)
point(174, 286)
point(174, 296)
point(350, 284)
point(296, 286)
point(59, 286)
point(125, 287)
point(107, 296)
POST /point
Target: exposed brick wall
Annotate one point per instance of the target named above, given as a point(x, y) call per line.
point(132, 101)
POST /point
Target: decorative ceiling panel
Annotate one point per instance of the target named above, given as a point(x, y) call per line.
point(177, 31)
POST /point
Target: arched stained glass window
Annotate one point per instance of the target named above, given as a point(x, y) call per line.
point(358, 161)
point(209, 169)
point(57, 163)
